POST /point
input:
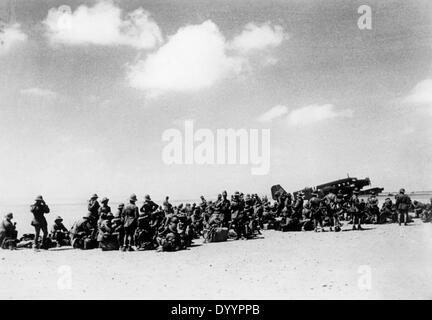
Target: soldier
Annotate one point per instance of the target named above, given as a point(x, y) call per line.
point(144, 234)
point(8, 233)
point(107, 236)
point(372, 207)
point(120, 209)
point(203, 204)
point(356, 208)
point(237, 214)
point(403, 203)
point(117, 225)
point(225, 209)
point(59, 233)
point(330, 202)
point(148, 206)
point(386, 211)
point(418, 208)
point(130, 214)
point(93, 208)
point(39, 209)
point(169, 239)
point(104, 209)
point(316, 212)
point(83, 233)
point(427, 212)
point(167, 206)
point(298, 205)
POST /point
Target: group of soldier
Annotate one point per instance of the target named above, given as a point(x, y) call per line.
point(172, 228)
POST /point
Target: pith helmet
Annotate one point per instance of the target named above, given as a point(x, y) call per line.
point(402, 190)
point(9, 215)
point(133, 197)
point(39, 198)
point(94, 196)
point(104, 199)
point(58, 219)
point(147, 197)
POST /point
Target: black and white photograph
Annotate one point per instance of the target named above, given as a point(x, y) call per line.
point(215, 150)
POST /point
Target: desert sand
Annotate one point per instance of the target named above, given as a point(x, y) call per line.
point(382, 262)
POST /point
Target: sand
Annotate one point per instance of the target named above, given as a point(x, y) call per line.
point(382, 262)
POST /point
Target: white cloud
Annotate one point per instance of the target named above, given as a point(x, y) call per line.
point(193, 58)
point(10, 35)
point(316, 113)
point(258, 37)
point(273, 113)
point(38, 92)
point(102, 24)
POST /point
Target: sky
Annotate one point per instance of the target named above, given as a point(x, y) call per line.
point(87, 89)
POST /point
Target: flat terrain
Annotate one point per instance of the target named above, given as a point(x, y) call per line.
point(382, 262)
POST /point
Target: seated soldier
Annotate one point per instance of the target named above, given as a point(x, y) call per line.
point(387, 212)
point(197, 222)
point(8, 233)
point(169, 238)
point(83, 233)
point(418, 208)
point(144, 235)
point(59, 233)
point(107, 238)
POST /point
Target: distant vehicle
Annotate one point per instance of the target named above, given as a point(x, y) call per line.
point(346, 186)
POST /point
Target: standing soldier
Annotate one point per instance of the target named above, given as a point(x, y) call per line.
point(225, 209)
point(130, 214)
point(403, 203)
point(372, 205)
point(331, 209)
point(93, 207)
point(237, 213)
point(356, 210)
point(39, 208)
point(316, 213)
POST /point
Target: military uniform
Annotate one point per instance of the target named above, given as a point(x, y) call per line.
point(8, 233)
point(356, 208)
point(59, 233)
point(83, 233)
point(39, 209)
point(403, 203)
point(130, 214)
point(93, 207)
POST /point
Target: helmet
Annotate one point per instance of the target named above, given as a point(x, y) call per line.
point(402, 190)
point(39, 198)
point(133, 197)
point(94, 196)
point(224, 193)
point(58, 219)
point(147, 197)
point(121, 205)
point(104, 199)
point(9, 215)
